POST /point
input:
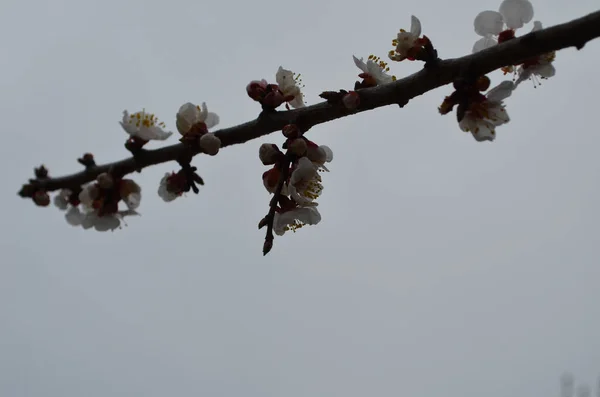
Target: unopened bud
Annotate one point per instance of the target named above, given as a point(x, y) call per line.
point(274, 98)
point(291, 131)
point(483, 83)
point(105, 181)
point(298, 146)
point(446, 106)
point(41, 198)
point(210, 144)
point(351, 100)
point(269, 153)
point(256, 89)
point(267, 246)
point(41, 172)
point(271, 178)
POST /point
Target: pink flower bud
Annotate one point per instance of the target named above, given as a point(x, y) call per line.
point(269, 153)
point(41, 198)
point(291, 131)
point(273, 99)
point(256, 89)
point(351, 100)
point(271, 178)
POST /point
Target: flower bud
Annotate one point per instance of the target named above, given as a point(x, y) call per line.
point(273, 99)
point(483, 83)
point(41, 172)
point(41, 198)
point(351, 100)
point(105, 181)
point(298, 146)
point(269, 153)
point(291, 131)
point(256, 89)
point(271, 178)
point(210, 144)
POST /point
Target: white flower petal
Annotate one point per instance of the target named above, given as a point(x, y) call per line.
point(516, 13)
point(306, 215)
point(74, 216)
point(488, 23)
point(484, 132)
point(133, 200)
point(415, 26)
point(545, 70)
point(484, 43)
point(154, 133)
point(189, 114)
point(163, 193)
point(501, 91)
point(328, 153)
point(212, 119)
point(284, 78)
point(203, 113)
point(360, 64)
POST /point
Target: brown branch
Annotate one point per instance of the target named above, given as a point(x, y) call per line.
point(571, 34)
point(270, 218)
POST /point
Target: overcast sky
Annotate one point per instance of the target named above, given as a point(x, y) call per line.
point(442, 267)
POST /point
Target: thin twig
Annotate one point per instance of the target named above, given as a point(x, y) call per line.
point(571, 34)
point(270, 218)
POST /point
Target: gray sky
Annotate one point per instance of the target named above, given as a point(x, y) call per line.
point(442, 266)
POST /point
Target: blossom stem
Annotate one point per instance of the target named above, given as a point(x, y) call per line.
point(270, 218)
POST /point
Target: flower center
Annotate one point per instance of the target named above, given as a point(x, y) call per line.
point(294, 226)
point(313, 188)
point(143, 119)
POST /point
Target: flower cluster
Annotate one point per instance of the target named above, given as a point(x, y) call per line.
point(271, 96)
point(410, 45)
point(294, 179)
point(193, 123)
point(497, 27)
point(96, 205)
point(477, 113)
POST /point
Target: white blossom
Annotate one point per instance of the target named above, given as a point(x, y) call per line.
point(61, 200)
point(144, 126)
point(511, 15)
point(483, 117)
point(288, 84)
point(190, 114)
point(163, 191)
point(405, 41)
point(295, 219)
point(305, 183)
point(539, 68)
point(319, 155)
point(375, 68)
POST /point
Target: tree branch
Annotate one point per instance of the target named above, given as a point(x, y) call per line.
point(572, 34)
